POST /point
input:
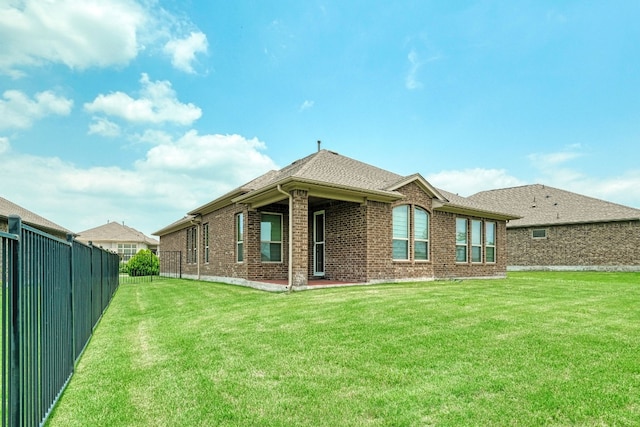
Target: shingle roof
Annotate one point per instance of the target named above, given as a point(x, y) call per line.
point(543, 205)
point(346, 176)
point(9, 208)
point(115, 232)
point(331, 168)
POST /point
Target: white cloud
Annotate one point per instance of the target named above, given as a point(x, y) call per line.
point(554, 170)
point(541, 160)
point(92, 33)
point(411, 81)
point(104, 127)
point(183, 51)
point(17, 110)
point(306, 105)
point(219, 157)
point(470, 181)
point(4, 144)
point(173, 178)
point(77, 33)
point(157, 104)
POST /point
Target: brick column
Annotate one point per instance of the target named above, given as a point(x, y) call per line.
point(300, 232)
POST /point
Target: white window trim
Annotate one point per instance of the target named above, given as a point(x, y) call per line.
point(407, 239)
point(415, 239)
point(281, 241)
point(538, 237)
point(487, 245)
point(205, 243)
point(466, 242)
point(239, 225)
point(476, 245)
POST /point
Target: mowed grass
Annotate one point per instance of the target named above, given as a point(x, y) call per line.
point(533, 349)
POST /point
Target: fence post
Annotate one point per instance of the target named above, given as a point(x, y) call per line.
point(72, 307)
point(15, 326)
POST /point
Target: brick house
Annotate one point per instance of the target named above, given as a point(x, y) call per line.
point(124, 240)
point(561, 230)
point(328, 216)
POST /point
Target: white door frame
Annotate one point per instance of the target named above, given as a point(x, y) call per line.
point(317, 243)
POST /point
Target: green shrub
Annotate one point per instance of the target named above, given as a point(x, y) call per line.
point(144, 263)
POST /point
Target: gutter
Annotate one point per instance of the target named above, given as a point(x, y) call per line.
point(290, 272)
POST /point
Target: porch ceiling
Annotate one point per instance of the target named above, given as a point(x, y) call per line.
point(316, 192)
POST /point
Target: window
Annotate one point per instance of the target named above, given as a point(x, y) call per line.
point(205, 241)
point(421, 234)
point(490, 242)
point(476, 240)
point(271, 237)
point(192, 240)
point(127, 250)
point(239, 237)
point(540, 233)
point(401, 232)
point(461, 240)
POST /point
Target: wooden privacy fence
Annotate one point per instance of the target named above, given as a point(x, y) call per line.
point(53, 294)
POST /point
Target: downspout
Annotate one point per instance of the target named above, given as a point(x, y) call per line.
point(290, 279)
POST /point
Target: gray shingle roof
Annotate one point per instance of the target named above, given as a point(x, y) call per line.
point(9, 208)
point(543, 205)
point(115, 232)
point(329, 167)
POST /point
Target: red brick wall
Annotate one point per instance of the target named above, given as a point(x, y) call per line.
point(345, 242)
point(358, 244)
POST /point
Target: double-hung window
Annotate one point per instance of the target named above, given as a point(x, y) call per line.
point(476, 240)
point(205, 241)
point(490, 242)
point(271, 237)
point(192, 245)
point(461, 240)
point(420, 234)
point(401, 232)
point(239, 237)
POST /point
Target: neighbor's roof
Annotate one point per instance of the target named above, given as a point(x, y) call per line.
point(115, 232)
point(327, 174)
point(543, 205)
point(9, 208)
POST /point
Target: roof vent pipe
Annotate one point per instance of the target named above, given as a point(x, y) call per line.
point(319, 143)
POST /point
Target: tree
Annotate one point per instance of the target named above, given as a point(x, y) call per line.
point(144, 263)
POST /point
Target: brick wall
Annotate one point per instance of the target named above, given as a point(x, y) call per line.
point(345, 242)
point(579, 245)
point(444, 247)
point(358, 243)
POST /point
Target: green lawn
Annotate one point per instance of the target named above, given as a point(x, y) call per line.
point(533, 349)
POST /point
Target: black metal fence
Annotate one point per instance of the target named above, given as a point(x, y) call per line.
point(170, 264)
point(53, 294)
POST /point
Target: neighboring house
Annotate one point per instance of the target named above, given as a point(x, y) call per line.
point(29, 218)
point(329, 216)
point(564, 230)
point(124, 240)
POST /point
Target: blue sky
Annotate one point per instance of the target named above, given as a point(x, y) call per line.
point(141, 110)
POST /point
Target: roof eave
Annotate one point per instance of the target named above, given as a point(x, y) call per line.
point(218, 203)
point(176, 226)
point(419, 179)
point(271, 194)
point(551, 224)
point(465, 210)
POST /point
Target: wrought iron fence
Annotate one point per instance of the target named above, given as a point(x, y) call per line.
point(170, 264)
point(53, 294)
